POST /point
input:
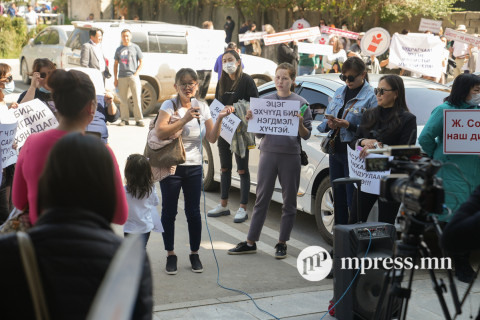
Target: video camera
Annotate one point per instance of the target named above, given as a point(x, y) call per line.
point(416, 187)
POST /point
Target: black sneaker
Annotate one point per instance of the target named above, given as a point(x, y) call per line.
point(281, 252)
point(243, 248)
point(171, 267)
point(196, 264)
point(123, 123)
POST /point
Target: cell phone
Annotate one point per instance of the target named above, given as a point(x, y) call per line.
point(329, 116)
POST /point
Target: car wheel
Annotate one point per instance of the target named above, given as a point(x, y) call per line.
point(324, 214)
point(149, 99)
point(260, 79)
point(208, 168)
point(25, 75)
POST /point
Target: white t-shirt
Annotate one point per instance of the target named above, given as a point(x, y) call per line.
point(31, 18)
point(143, 216)
point(192, 134)
point(460, 49)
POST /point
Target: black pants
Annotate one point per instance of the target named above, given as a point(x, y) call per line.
point(387, 210)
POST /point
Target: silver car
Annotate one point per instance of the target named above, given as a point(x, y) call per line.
point(315, 193)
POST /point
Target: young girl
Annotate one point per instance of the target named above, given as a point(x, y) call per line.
point(142, 198)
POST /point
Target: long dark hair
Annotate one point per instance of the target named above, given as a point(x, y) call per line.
point(225, 83)
point(372, 116)
point(79, 173)
point(356, 64)
point(461, 88)
point(138, 174)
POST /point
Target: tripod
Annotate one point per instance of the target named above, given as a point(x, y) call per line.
point(412, 246)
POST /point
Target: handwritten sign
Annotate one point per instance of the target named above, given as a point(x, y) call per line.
point(430, 25)
point(32, 116)
point(451, 34)
point(288, 36)
point(370, 179)
point(341, 33)
point(461, 131)
point(276, 117)
point(251, 36)
point(375, 42)
point(229, 123)
point(7, 136)
point(305, 47)
point(422, 54)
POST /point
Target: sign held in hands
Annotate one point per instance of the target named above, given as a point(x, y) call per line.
point(276, 117)
point(229, 123)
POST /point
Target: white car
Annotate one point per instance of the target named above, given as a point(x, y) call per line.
point(47, 44)
point(166, 48)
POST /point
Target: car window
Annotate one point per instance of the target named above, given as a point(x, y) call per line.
point(78, 37)
point(422, 101)
point(169, 44)
point(317, 100)
point(42, 38)
point(153, 45)
point(140, 39)
point(54, 37)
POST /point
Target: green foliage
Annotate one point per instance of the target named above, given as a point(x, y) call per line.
point(15, 36)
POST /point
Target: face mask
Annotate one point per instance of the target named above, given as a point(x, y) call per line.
point(229, 67)
point(9, 87)
point(44, 90)
point(475, 101)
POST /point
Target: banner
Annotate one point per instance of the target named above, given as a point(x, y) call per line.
point(288, 36)
point(430, 25)
point(375, 42)
point(324, 50)
point(422, 54)
point(370, 179)
point(451, 34)
point(32, 116)
point(229, 123)
point(7, 136)
point(339, 32)
point(277, 117)
point(251, 36)
point(461, 131)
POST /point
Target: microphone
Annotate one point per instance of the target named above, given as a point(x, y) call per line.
point(194, 104)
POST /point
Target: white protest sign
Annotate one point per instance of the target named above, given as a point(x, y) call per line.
point(451, 34)
point(300, 24)
point(339, 32)
point(288, 36)
point(420, 54)
point(430, 25)
point(461, 131)
point(7, 136)
point(370, 179)
point(277, 117)
point(32, 116)
point(312, 48)
point(375, 42)
point(229, 123)
point(251, 36)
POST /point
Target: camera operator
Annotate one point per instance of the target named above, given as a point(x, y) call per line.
point(390, 123)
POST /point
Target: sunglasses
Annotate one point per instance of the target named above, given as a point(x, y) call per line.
point(8, 79)
point(43, 75)
point(349, 78)
point(381, 91)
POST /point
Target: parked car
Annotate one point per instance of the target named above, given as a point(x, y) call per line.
point(315, 195)
point(47, 44)
point(166, 48)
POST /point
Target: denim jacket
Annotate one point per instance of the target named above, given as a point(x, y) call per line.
point(365, 100)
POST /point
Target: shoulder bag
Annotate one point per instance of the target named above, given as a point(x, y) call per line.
point(18, 220)
point(328, 143)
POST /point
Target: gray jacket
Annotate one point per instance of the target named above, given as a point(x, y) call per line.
point(88, 57)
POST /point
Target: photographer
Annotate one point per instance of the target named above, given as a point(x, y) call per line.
point(390, 123)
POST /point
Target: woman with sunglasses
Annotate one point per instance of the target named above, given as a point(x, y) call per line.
point(39, 88)
point(345, 113)
point(390, 123)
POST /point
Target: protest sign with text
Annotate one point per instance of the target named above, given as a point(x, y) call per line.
point(288, 36)
point(311, 48)
point(7, 136)
point(461, 131)
point(339, 32)
point(422, 54)
point(32, 116)
point(251, 36)
point(458, 36)
point(229, 123)
point(277, 117)
point(430, 25)
point(370, 179)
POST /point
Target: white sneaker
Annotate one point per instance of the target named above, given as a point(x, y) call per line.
point(218, 211)
point(240, 216)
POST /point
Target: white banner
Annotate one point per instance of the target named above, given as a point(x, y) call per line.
point(451, 34)
point(461, 131)
point(370, 179)
point(420, 54)
point(430, 25)
point(33, 116)
point(339, 32)
point(251, 36)
point(277, 117)
point(7, 136)
point(288, 36)
point(229, 123)
point(324, 50)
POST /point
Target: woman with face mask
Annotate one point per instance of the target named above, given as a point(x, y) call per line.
point(234, 85)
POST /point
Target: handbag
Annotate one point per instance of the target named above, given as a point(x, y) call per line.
point(170, 155)
point(328, 143)
point(30, 267)
point(18, 220)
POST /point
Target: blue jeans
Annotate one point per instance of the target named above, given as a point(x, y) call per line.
point(343, 194)
point(189, 179)
point(305, 70)
point(143, 236)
